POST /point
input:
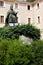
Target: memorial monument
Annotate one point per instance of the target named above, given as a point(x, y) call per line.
point(11, 17)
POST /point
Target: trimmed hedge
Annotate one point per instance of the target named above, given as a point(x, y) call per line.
point(13, 52)
point(37, 50)
point(14, 32)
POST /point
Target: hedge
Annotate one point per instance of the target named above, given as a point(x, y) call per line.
point(14, 52)
point(14, 32)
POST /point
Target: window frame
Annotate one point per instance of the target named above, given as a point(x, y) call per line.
point(37, 5)
point(29, 20)
point(16, 5)
point(28, 7)
point(38, 19)
point(1, 19)
point(1, 3)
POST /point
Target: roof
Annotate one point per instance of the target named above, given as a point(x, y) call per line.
point(37, 1)
point(28, 3)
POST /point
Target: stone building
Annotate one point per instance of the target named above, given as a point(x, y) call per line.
point(28, 12)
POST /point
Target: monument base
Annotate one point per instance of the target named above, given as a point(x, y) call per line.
point(13, 24)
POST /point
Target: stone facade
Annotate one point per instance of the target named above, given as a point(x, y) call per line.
point(28, 12)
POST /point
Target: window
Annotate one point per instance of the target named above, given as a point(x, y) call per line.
point(29, 19)
point(16, 5)
point(32, 5)
point(1, 19)
point(1, 3)
point(38, 19)
point(38, 5)
point(28, 7)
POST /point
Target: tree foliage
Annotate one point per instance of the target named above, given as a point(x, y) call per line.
point(14, 52)
point(14, 32)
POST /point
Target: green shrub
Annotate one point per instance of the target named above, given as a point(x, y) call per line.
point(14, 32)
point(14, 52)
point(3, 50)
point(37, 49)
point(5, 46)
point(30, 31)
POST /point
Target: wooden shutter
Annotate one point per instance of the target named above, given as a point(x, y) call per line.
point(38, 19)
point(2, 19)
point(29, 19)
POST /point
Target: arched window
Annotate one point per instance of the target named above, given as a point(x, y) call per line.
point(37, 5)
point(28, 7)
point(38, 19)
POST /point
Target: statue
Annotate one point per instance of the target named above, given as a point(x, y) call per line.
point(11, 16)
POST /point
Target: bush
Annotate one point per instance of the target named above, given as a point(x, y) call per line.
point(30, 31)
point(3, 50)
point(17, 55)
point(6, 48)
point(25, 54)
point(14, 52)
point(14, 32)
point(37, 49)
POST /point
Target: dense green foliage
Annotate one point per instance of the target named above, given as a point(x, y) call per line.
point(14, 32)
point(13, 52)
point(37, 49)
point(7, 46)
